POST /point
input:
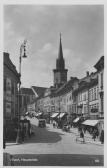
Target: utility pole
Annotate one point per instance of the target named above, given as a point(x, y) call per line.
point(22, 55)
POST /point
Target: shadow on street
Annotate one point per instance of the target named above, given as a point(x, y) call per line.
point(44, 135)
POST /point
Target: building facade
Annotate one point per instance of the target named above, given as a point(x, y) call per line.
point(11, 81)
point(94, 97)
point(100, 69)
point(27, 97)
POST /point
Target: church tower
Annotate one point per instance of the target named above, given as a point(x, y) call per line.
point(60, 73)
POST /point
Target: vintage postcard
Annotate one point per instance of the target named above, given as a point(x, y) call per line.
point(53, 84)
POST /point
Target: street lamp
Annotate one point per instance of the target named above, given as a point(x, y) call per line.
point(22, 55)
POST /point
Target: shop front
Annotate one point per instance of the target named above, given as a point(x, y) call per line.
point(90, 125)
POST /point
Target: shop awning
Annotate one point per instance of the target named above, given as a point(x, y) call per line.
point(54, 115)
point(76, 120)
point(90, 122)
point(61, 115)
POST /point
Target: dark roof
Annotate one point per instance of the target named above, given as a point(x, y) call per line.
point(7, 62)
point(87, 81)
point(100, 64)
point(27, 91)
point(39, 90)
point(68, 86)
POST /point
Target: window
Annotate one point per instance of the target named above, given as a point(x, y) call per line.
point(94, 96)
point(85, 109)
point(12, 88)
point(85, 95)
point(89, 95)
point(101, 80)
point(79, 97)
point(4, 84)
point(102, 104)
point(97, 92)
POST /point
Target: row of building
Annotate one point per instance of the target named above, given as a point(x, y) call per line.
point(74, 97)
point(77, 97)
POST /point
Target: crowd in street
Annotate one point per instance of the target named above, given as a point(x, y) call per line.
point(26, 131)
point(93, 131)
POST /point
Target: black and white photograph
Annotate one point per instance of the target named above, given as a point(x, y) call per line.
point(53, 84)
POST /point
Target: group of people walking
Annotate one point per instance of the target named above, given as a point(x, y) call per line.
point(82, 130)
point(94, 133)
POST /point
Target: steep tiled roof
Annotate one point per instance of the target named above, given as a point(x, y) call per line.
point(7, 62)
point(100, 64)
point(39, 90)
point(66, 87)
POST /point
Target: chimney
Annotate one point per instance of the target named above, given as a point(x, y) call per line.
point(87, 73)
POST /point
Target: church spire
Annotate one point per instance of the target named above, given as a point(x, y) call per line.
point(60, 73)
point(60, 54)
point(60, 63)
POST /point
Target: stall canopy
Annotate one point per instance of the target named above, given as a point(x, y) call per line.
point(61, 115)
point(90, 122)
point(76, 120)
point(54, 115)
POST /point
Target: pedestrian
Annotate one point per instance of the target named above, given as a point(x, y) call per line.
point(53, 124)
point(102, 136)
point(84, 130)
point(29, 130)
point(22, 134)
point(97, 133)
point(79, 129)
point(94, 134)
point(82, 135)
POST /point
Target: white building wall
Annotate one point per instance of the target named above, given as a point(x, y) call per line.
point(83, 102)
point(94, 101)
point(101, 89)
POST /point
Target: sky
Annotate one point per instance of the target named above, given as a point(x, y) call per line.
point(82, 29)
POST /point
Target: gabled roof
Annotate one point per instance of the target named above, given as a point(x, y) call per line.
point(27, 91)
point(100, 64)
point(7, 62)
point(39, 90)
